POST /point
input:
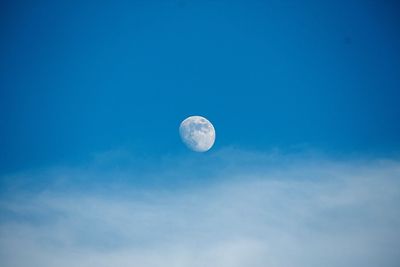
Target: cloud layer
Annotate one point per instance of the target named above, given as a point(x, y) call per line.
point(247, 209)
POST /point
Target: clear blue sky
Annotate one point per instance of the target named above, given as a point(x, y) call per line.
point(81, 77)
point(304, 97)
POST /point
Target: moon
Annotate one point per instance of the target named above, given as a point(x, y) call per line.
point(197, 133)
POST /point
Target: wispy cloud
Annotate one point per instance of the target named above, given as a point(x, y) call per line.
point(240, 209)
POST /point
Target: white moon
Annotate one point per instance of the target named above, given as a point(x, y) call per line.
point(197, 133)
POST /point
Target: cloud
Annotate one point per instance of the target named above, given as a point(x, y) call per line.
point(230, 208)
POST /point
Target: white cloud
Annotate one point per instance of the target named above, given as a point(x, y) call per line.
point(251, 209)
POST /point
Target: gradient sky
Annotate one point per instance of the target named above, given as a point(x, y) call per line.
point(79, 77)
point(304, 96)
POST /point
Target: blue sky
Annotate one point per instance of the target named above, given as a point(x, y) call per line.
point(80, 77)
point(304, 99)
